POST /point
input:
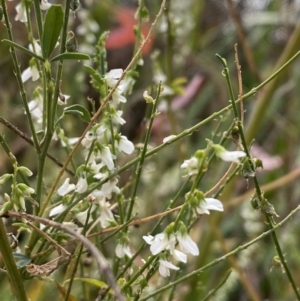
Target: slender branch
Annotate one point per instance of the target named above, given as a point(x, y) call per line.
point(105, 101)
point(103, 265)
point(16, 281)
point(29, 141)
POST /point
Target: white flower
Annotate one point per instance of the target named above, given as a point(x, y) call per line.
point(160, 242)
point(165, 266)
point(187, 245)
point(88, 140)
point(107, 157)
point(191, 165)
point(180, 256)
point(30, 72)
point(81, 185)
point(21, 13)
point(57, 210)
point(36, 49)
point(124, 145)
point(44, 4)
point(113, 76)
point(228, 156)
point(116, 117)
point(66, 187)
point(117, 97)
point(36, 108)
point(122, 250)
point(106, 217)
point(109, 187)
point(209, 204)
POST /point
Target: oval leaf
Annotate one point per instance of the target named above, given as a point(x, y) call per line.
point(52, 27)
point(70, 56)
point(78, 110)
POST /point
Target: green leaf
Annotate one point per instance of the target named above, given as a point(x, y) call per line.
point(52, 28)
point(70, 56)
point(97, 81)
point(92, 281)
point(22, 260)
point(27, 51)
point(79, 110)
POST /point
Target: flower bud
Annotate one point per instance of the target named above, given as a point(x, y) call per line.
point(147, 97)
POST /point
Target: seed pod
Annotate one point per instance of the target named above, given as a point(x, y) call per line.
point(71, 44)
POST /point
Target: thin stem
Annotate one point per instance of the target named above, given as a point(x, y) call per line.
point(103, 265)
point(104, 103)
point(262, 202)
point(19, 78)
point(16, 282)
point(143, 153)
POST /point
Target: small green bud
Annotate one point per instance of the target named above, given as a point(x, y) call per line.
point(24, 189)
point(247, 170)
point(26, 171)
point(4, 178)
point(6, 207)
point(199, 154)
point(147, 97)
point(258, 163)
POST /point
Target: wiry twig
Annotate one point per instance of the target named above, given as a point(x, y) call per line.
point(29, 141)
point(105, 101)
point(103, 265)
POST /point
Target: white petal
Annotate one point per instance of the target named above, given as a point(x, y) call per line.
point(231, 156)
point(187, 245)
point(21, 13)
point(164, 267)
point(81, 185)
point(57, 210)
point(66, 187)
point(180, 256)
point(148, 239)
point(35, 73)
point(113, 76)
point(26, 74)
point(45, 5)
point(213, 204)
point(125, 145)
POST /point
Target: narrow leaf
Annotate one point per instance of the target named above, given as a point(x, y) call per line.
point(27, 51)
point(52, 27)
point(70, 56)
point(78, 110)
point(92, 281)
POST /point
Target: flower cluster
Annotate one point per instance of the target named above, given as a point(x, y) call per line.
point(102, 144)
point(166, 242)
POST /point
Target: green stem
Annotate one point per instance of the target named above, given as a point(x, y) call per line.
point(19, 78)
point(143, 153)
point(262, 201)
point(16, 282)
point(218, 260)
